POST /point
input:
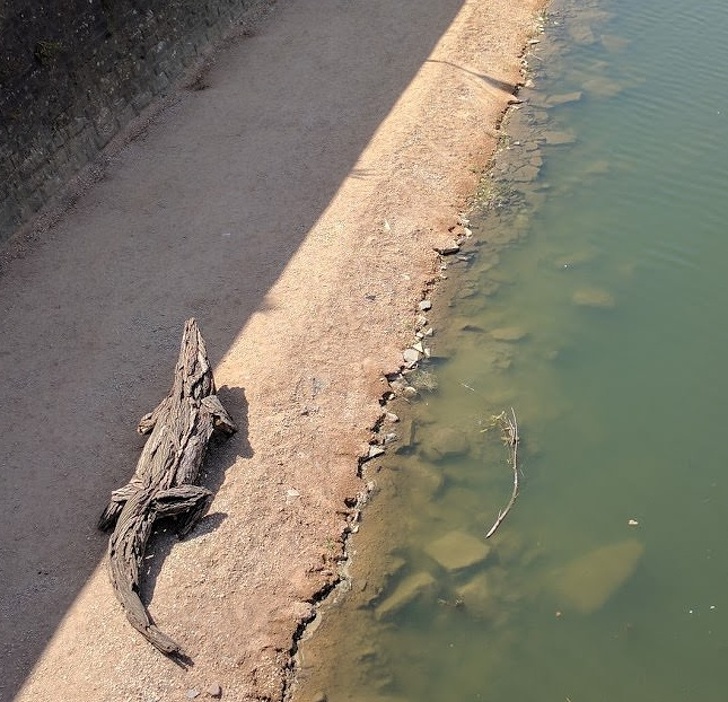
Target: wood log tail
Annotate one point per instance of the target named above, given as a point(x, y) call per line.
point(149, 630)
point(165, 645)
point(128, 595)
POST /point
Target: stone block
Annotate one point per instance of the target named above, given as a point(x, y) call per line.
point(457, 550)
point(589, 581)
point(410, 589)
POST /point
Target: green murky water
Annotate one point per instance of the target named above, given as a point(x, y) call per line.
point(595, 305)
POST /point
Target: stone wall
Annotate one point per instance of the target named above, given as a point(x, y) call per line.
point(73, 73)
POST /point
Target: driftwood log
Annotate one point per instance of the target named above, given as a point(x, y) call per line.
point(163, 484)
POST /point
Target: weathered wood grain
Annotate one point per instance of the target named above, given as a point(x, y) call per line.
point(163, 484)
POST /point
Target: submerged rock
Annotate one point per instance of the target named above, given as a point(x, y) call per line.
point(511, 334)
point(564, 98)
point(440, 443)
point(602, 87)
point(576, 258)
point(425, 482)
point(406, 592)
point(593, 297)
point(525, 174)
point(614, 43)
point(478, 597)
point(553, 138)
point(458, 550)
point(589, 581)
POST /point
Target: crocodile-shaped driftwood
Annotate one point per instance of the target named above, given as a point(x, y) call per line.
point(163, 483)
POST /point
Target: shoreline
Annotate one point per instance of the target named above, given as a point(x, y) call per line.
point(327, 316)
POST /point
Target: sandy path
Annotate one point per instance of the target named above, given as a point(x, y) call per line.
point(257, 205)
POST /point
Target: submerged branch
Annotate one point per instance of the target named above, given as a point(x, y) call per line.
point(509, 428)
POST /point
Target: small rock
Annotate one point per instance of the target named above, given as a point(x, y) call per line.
point(558, 138)
point(444, 442)
point(564, 98)
point(418, 347)
point(525, 174)
point(390, 438)
point(375, 451)
point(425, 305)
point(602, 87)
point(589, 581)
point(410, 392)
point(292, 494)
point(407, 591)
point(593, 297)
point(477, 595)
point(192, 694)
point(458, 550)
point(447, 250)
point(633, 523)
point(391, 417)
point(421, 321)
point(411, 356)
point(214, 690)
point(511, 334)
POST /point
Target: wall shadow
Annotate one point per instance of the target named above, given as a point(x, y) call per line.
point(198, 217)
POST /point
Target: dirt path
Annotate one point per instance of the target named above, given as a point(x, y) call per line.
point(291, 206)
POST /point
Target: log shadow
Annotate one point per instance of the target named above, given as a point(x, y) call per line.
point(507, 87)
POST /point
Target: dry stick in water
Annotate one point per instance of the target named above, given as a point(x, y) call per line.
point(509, 428)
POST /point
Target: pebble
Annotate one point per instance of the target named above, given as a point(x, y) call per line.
point(511, 334)
point(411, 356)
point(214, 690)
point(375, 451)
point(425, 305)
point(593, 297)
point(447, 250)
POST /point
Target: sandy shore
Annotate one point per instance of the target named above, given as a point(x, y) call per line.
point(291, 206)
